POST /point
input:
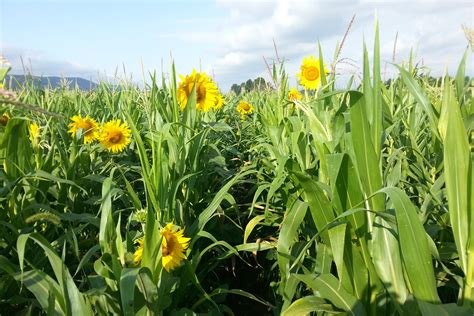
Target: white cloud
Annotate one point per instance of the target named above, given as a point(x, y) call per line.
point(432, 27)
point(39, 64)
point(233, 44)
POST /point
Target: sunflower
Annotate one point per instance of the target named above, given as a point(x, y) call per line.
point(219, 102)
point(244, 108)
point(88, 126)
point(4, 118)
point(34, 131)
point(294, 95)
point(206, 91)
point(310, 75)
point(137, 256)
point(173, 246)
point(115, 136)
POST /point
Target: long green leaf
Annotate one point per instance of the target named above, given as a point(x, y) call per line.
point(288, 233)
point(127, 290)
point(387, 259)
point(337, 237)
point(414, 247)
point(207, 214)
point(456, 166)
point(321, 208)
point(365, 157)
point(329, 288)
point(43, 288)
point(421, 98)
point(376, 124)
point(106, 231)
point(428, 309)
point(251, 225)
point(74, 300)
point(460, 77)
point(18, 151)
point(306, 305)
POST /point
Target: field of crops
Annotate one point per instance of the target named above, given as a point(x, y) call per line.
point(176, 199)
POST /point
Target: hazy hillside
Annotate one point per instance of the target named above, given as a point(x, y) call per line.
point(14, 81)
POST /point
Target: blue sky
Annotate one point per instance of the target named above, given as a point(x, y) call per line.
point(226, 38)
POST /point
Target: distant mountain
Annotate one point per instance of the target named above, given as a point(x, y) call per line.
point(15, 81)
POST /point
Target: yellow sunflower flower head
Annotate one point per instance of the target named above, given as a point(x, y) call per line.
point(137, 256)
point(244, 108)
point(115, 136)
point(4, 118)
point(294, 95)
point(310, 73)
point(219, 102)
point(34, 131)
point(206, 91)
point(173, 246)
point(88, 125)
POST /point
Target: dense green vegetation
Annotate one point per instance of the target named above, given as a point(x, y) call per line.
point(351, 201)
point(249, 85)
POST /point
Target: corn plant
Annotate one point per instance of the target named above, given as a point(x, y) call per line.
point(354, 200)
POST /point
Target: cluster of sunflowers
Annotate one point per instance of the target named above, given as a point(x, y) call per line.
point(113, 135)
point(207, 94)
point(174, 243)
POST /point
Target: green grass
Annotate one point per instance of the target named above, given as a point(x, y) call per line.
point(356, 201)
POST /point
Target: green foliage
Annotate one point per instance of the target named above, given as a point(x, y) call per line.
point(355, 201)
point(258, 84)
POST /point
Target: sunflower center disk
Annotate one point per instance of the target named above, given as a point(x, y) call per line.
point(311, 73)
point(84, 125)
point(3, 120)
point(86, 128)
point(167, 245)
point(201, 93)
point(115, 137)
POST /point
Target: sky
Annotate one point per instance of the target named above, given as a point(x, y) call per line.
point(228, 39)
